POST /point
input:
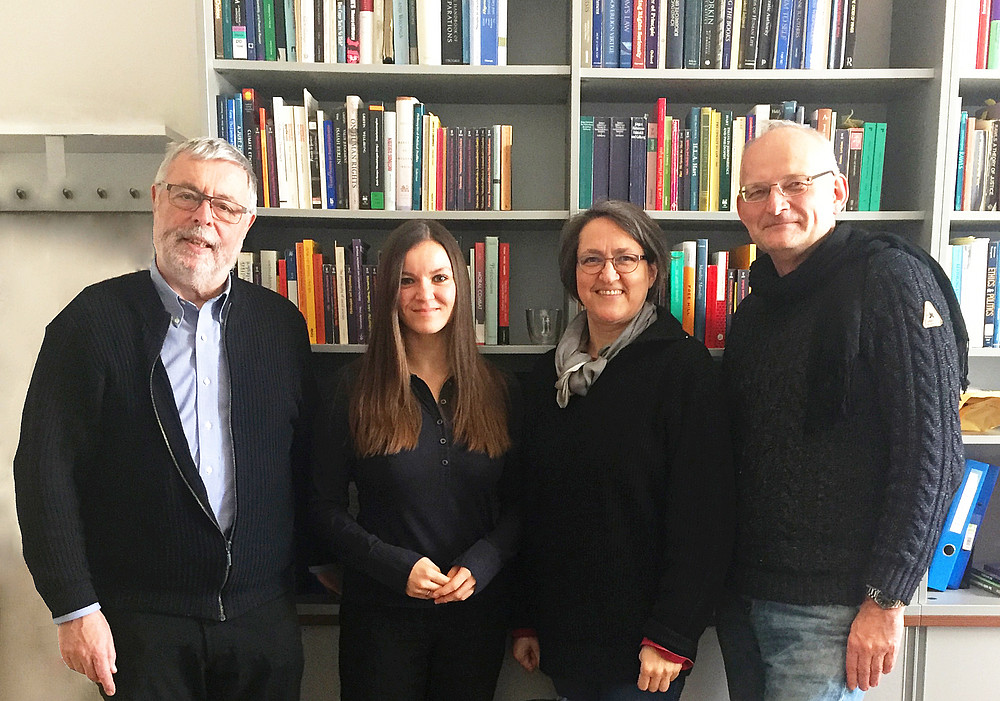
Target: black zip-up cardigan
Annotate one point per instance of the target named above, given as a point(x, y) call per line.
point(109, 500)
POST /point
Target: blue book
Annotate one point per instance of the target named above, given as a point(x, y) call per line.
point(692, 34)
point(700, 280)
point(810, 34)
point(602, 158)
point(728, 19)
point(618, 159)
point(625, 34)
point(978, 511)
point(597, 36)
point(957, 262)
point(960, 169)
point(637, 161)
point(674, 57)
point(611, 32)
point(251, 16)
point(489, 50)
point(949, 545)
point(231, 113)
point(331, 164)
point(783, 34)
point(466, 33)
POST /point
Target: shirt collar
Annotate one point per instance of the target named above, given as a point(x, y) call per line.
point(175, 304)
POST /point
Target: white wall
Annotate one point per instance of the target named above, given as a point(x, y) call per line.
point(70, 66)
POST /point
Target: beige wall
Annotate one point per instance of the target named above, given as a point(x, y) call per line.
point(104, 66)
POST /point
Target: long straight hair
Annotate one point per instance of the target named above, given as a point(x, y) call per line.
point(384, 414)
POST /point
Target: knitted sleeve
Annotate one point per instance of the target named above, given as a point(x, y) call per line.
point(906, 330)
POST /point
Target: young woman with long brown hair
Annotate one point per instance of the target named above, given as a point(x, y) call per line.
point(422, 424)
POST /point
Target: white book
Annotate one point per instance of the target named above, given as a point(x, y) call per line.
point(736, 159)
point(472, 284)
point(301, 131)
point(244, 269)
point(389, 153)
point(305, 31)
point(329, 31)
point(353, 104)
point(475, 32)
point(269, 270)
point(284, 152)
point(495, 168)
point(404, 153)
point(429, 32)
point(973, 297)
point(366, 36)
point(734, 55)
point(316, 200)
point(339, 260)
point(966, 35)
point(502, 32)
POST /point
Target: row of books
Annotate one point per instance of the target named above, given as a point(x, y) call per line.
point(693, 164)
point(705, 288)
point(954, 548)
point(976, 188)
point(977, 34)
point(360, 155)
point(986, 577)
point(719, 33)
point(426, 32)
point(333, 289)
point(973, 276)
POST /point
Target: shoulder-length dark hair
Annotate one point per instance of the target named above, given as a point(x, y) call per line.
point(630, 219)
point(384, 414)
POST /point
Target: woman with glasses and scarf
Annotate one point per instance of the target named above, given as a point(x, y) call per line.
point(628, 522)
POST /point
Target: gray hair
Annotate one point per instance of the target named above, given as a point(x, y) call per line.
point(205, 148)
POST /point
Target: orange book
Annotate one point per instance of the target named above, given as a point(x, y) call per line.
point(742, 256)
point(265, 172)
point(304, 250)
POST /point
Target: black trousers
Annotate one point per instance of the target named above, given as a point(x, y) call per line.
point(451, 652)
point(256, 656)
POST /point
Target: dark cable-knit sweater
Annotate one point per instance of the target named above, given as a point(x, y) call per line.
point(827, 507)
point(629, 520)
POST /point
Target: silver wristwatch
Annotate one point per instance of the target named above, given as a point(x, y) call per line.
point(883, 601)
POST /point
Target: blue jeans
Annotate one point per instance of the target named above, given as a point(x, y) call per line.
point(577, 690)
point(785, 652)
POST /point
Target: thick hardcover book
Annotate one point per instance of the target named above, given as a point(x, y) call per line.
point(701, 279)
point(674, 44)
point(270, 32)
point(637, 161)
point(611, 32)
point(376, 156)
point(451, 32)
point(652, 38)
point(602, 158)
point(710, 34)
point(783, 34)
point(503, 296)
point(586, 162)
point(726, 161)
point(250, 12)
point(749, 30)
point(618, 159)
point(417, 190)
point(626, 26)
point(597, 35)
point(354, 140)
point(692, 33)
point(694, 174)
point(251, 140)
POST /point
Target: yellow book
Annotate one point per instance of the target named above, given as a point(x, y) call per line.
point(704, 159)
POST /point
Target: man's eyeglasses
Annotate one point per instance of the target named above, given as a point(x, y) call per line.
point(624, 263)
point(189, 200)
point(790, 186)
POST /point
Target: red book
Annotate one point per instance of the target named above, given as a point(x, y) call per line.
point(283, 277)
point(638, 33)
point(715, 301)
point(319, 303)
point(503, 295)
point(480, 286)
point(983, 40)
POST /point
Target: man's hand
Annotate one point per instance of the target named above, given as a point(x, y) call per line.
point(425, 579)
point(655, 671)
point(872, 646)
point(461, 585)
point(527, 652)
point(87, 647)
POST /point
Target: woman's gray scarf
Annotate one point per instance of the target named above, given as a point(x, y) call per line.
point(576, 370)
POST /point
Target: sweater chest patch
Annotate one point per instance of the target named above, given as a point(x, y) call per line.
point(932, 319)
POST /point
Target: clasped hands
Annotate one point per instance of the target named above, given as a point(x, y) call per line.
point(426, 581)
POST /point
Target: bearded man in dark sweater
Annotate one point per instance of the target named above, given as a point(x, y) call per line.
point(843, 370)
point(164, 432)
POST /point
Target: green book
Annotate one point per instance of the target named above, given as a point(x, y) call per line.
point(867, 160)
point(270, 41)
point(993, 45)
point(677, 284)
point(586, 162)
point(875, 202)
